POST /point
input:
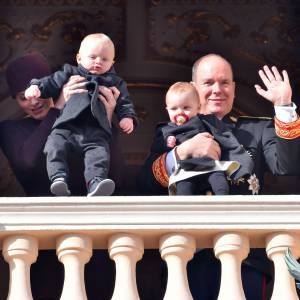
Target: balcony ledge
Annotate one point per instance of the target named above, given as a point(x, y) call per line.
point(150, 217)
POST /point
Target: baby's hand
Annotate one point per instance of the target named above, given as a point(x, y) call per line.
point(171, 141)
point(32, 92)
point(126, 125)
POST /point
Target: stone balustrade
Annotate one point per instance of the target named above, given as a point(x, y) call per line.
point(125, 226)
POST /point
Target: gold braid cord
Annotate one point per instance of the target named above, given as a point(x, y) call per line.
point(160, 171)
point(288, 131)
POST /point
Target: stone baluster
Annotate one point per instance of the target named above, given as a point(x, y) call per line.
point(20, 251)
point(231, 249)
point(276, 245)
point(177, 249)
point(74, 251)
point(125, 249)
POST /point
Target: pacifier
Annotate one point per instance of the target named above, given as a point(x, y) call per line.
point(181, 118)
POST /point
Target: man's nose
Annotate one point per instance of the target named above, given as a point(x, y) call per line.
point(216, 87)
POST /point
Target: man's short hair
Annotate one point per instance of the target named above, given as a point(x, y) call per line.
point(198, 61)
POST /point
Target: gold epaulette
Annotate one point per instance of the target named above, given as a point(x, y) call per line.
point(255, 118)
point(288, 131)
point(159, 170)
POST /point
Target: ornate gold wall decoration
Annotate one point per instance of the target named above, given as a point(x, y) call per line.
point(180, 32)
point(55, 28)
point(44, 31)
point(165, 41)
point(61, 2)
point(12, 35)
point(280, 34)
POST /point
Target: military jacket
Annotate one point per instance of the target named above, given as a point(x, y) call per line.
point(257, 135)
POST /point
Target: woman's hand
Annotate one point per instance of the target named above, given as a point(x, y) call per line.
point(76, 84)
point(109, 96)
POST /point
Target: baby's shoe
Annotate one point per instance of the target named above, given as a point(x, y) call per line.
point(59, 187)
point(100, 187)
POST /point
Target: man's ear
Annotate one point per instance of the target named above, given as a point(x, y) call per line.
point(78, 58)
point(192, 83)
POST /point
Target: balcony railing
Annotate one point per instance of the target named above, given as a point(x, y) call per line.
point(125, 226)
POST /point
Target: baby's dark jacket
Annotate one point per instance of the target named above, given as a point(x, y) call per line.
point(51, 86)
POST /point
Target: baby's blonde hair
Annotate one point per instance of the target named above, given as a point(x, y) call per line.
point(183, 88)
point(101, 36)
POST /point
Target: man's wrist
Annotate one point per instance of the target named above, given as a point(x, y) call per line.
point(286, 113)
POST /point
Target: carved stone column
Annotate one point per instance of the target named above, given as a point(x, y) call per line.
point(177, 249)
point(74, 251)
point(231, 249)
point(20, 251)
point(276, 245)
point(125, 249)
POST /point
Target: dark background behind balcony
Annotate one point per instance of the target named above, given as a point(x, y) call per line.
point(157, 42)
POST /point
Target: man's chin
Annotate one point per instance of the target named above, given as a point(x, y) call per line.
point(218, 112)
point(215, 110)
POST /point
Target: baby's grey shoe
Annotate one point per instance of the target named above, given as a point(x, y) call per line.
point(100, 187)
point(59, 187)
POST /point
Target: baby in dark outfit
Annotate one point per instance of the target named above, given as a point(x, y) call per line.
point(83, 125)
point(183, 106)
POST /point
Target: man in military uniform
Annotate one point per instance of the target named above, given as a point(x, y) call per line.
point(276, 148)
